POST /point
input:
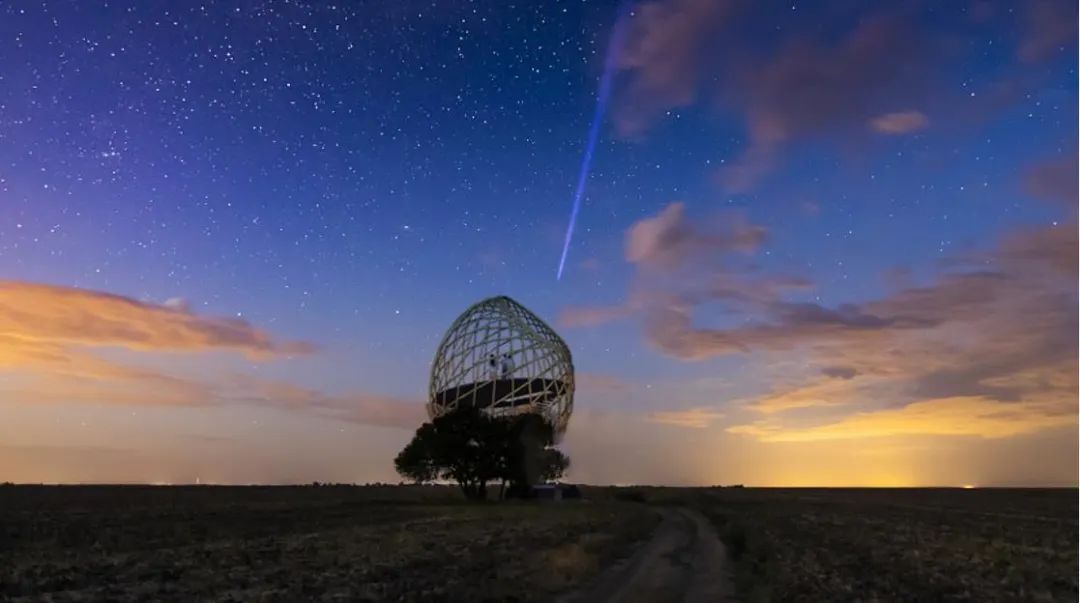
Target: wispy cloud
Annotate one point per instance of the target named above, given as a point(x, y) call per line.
point(49, 336)
point(355, 407)
point(1049, 26)
point(803, 82)
point(601, 383)
point(694, 418)
point(901, 122)
point(42, 319)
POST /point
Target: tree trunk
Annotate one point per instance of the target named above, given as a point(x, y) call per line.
point(466, 489)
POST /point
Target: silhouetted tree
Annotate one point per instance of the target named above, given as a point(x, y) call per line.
point(473, 450)
point(466, 447)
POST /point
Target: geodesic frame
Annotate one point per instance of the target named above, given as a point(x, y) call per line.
point(500, 357)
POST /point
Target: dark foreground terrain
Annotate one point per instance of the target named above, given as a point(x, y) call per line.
point(423, 544)
point(299, 544)
point(898, 544)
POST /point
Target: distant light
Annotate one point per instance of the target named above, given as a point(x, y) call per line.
point(968, 487)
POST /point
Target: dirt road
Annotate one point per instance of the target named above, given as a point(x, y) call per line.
point(683, 561)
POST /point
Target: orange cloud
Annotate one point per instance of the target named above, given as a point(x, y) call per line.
point(820, 393)
point(61, 316)
point(122, 386)
point(47, 334)
point(962, 416)
point(695, 418)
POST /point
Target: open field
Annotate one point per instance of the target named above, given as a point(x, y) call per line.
point(424, 544)
point(303, 543)
point(898, 545)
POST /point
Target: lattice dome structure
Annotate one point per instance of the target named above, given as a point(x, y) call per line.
point(500, 357)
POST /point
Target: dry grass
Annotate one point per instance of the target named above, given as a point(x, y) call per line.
point(288, 544)
point(899, 545)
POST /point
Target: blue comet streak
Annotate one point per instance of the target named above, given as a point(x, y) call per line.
point(594, 132)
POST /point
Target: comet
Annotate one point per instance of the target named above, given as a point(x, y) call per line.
point(602, 97)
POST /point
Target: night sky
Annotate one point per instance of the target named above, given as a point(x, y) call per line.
point(831, 243)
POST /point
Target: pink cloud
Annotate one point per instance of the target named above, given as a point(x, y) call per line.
point(1048, 26)
point(808, 83)
point(665, 54)
point(59, 316)
point(999, 327)
point(902, 122)
point(669, 239)
point(1055, 181)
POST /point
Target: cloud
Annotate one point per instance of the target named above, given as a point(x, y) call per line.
point(903, 122)
point(809, 87)
point(962, 416)
point(50, 315)
point(997, 326)
point(694, 418)
point(378, 410)
point(786, 326)
point(48, 335)
point(1048, 27)
point(684, 52)
point(1054, 181)
point(670, 243)
point(982, 343)
point(669, 240)
point(665, 54)
point(1025, 274)
point(131, 388)
point(827, 71)
point(594, 382)
point(177, 303)
point(147, 389)
point(355, 407)
point(817, 393)
point(839, 372)
point(592, 316)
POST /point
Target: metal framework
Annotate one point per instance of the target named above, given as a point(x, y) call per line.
point(500, 357)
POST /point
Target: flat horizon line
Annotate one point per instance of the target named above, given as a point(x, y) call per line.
point(396, 485)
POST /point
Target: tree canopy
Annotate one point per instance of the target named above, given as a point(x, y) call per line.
point(473, 450)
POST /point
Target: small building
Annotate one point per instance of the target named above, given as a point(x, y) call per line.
point(556, 492)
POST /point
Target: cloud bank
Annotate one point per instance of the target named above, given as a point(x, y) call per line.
point(990, 342)
point(49, 334)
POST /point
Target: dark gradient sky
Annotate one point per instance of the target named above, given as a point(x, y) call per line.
point(273, 210)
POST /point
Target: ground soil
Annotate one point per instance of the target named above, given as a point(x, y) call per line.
point(682, 561)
